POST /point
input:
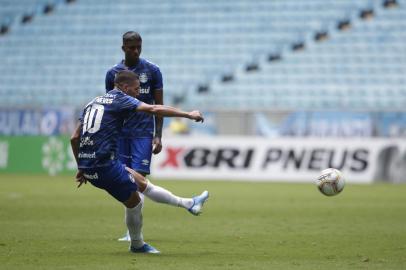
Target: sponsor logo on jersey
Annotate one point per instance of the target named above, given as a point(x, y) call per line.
point(143, 78)
point(85, 141)
point(145, 162)
point(144, 90)
point(87, 155)
point(91, 176)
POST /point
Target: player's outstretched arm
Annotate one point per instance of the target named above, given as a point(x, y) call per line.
point(168, 111)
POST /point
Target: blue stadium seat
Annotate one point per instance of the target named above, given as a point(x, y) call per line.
point(68, 53)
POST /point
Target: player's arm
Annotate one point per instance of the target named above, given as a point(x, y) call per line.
point(159, 120)
point(168, 111)
point(75, 142)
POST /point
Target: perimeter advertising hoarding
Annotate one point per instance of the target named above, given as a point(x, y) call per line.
point(229, 158)
point(293, 159)
point(33, 122)
point(36, 154)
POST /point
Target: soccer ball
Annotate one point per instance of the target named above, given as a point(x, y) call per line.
point(330, 182)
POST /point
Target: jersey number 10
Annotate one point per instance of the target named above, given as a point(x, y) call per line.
point(93, 117)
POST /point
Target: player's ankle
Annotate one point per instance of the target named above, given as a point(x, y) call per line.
point(185, 203)
point(137, 243)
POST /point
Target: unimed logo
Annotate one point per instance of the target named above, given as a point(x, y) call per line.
point(281, 158)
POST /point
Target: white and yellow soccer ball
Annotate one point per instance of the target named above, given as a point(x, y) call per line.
point(330, 182)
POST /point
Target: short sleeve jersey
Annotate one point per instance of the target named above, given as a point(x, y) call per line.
point(102, 121)
point(139, 124)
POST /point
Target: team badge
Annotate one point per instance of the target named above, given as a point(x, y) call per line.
point(143, 78)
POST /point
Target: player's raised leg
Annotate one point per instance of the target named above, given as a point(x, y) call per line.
point(198, 202)
point(158, 194)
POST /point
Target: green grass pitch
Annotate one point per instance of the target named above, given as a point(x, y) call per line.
point(46, 223)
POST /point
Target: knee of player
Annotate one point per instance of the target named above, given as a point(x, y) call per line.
point(142, 184)
point(133, 201)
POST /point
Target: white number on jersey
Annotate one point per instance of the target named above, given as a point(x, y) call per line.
point(93, 117)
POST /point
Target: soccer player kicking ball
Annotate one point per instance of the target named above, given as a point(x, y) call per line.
point(95, 147)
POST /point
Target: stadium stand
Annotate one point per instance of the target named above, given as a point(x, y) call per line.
point(14, 12)
point(63, 58)
point(359, 69)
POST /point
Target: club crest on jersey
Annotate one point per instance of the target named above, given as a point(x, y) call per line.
point(143, 78)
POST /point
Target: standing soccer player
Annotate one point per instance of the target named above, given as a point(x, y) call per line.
point(142, 132)
point(95, 147)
